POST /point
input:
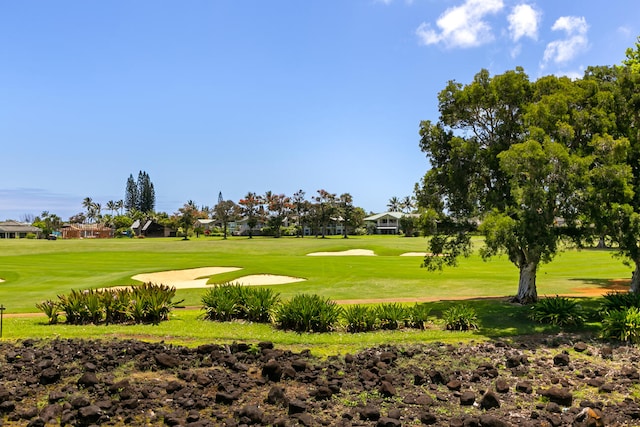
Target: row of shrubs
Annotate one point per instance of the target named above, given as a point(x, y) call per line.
point(312, 313)
point(619, 314)
point(148, 303)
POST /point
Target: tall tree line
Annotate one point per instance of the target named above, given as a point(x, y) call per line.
point(140, 195)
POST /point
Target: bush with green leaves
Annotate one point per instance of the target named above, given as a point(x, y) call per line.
point(460, 317)
point(260, 304)
point(158, 302)
point(614, 301)
point(392, 315)
point(224, 302)
point(418, 315)
point(51, 310)
point(558, 311)
point(359, 318)
point(622, 325)
point(308, 313)
point(230, 301)
point(148, 303)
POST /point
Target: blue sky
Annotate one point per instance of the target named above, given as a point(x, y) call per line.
point(237, 95)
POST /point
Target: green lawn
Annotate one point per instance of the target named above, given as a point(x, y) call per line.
point(35, 270)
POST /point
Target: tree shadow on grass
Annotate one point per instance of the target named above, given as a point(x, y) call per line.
point(499, 319)
point(610, 285)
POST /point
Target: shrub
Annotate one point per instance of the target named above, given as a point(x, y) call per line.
point(74, 307)
point(623, 325)
point(308, 313)
point(460, 317)
point(157, 302)
point(559, 311)
point(616, 301)
point(50, 309)
point(359, 318)
point(260, 304)
point(148, 303)
point(229, 301)
point(391, 315)
point(224, 302)
point(418, 315)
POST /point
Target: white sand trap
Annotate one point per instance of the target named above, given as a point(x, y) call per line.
point(1, 280)
point(183, 279)
point(266, 279)
point(422, 254)
point(350, 252)
point(198, 277)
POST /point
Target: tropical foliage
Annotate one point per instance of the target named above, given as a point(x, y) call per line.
point(535, 163)
point(460, 317)
point(148, 303)
point(559, 311)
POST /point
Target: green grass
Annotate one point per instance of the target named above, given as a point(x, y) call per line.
point(36, 270)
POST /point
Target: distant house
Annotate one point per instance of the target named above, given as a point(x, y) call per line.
point(17, 230)
point(86, 231)
point(151, 228)
point(241, 227)
point(386, 222)
point(206, 224)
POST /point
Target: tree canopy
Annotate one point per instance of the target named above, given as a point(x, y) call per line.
point(532, 163)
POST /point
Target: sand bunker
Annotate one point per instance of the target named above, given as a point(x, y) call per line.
point(267, 279)
point(184, 279)
point(422, 254)
point(350, 252)
point(198, 277)
point(1, 280)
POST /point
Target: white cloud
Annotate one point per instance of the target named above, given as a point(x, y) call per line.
point(576, 41)
point(462, 26)
point(523, 22)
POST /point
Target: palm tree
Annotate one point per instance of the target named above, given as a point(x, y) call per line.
point(87, 204)
point(112, 206)
point(394, 204)
point(407, 204)
point(120, 206)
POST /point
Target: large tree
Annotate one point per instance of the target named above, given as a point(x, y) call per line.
point(325, 208)
point(279, 207)
point(612, 209)
point(186, 217)
point(226, 211)
point(487, 166)
point(347, 212)
point(146, 193)
point(131, 195)
point(251, 208)
point(300, 207)
point(140, 195)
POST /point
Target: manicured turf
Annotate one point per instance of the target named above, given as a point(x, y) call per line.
point(36, 270)
point(39, 270)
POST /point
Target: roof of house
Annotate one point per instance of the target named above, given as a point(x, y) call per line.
point(88, 227)
point(396, 215)
point(11, 226)
point(205, 221)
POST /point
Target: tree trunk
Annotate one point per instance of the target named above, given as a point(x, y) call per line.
point(635, 279)
point(527, 292)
